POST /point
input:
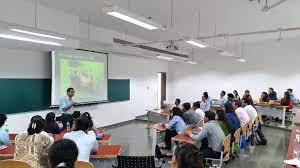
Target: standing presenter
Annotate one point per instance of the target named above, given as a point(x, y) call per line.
point(66, 108)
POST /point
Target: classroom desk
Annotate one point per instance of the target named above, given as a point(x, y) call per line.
point(297, 118)
point(158, 115)
point(107, 151)
point(273, 111)
point(291, 147)
point(104, 141)
point(184, 138)
point(158, 134)
point(104, 151)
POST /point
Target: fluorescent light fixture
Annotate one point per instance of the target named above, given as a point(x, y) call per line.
point(37, 34)
point(166, 58)
point(225, 53)
point(130, 17)
point(28, 40)
point(241, 59)
point(197, 43)
point(191, 62)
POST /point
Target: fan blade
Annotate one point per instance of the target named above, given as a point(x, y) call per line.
point(277, 4)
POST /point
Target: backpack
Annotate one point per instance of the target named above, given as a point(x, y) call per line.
point(260, 138)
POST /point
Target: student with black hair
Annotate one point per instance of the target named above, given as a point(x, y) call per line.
point(84, 139)
point(251, 110)
point(205, 103)
point(222, 99)
point(230, 113)
point(214, 134)
point(189, 115)
point(88, 116)
point(50, 125)
point(272, 94)
point(198, 110)
point(31, 145)
point(247, 96)
point(4, 136)
point(241, 112)
point(177, 102)
point(224, 123)
point(230, 98)
point(62, 154)
point(187, 155)
point(174, 127)
point(264, 98)
point(292, 95)
point(236, 95)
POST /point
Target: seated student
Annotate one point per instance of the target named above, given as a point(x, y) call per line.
point(241, 112)
point(4, 136)
point(189, 115)
point(50, 125)
point(247, 96)
point(286, 101)
point(222, 99)
point(232, 116)
point(214, 134)
point(175, 127)
point(187, 155)
point(75, 115)
point(177, 102)
point(292, 95)
point(208, 97)
point(62, 154)
point(31, 145)
point(198, 110)
point(250, 110)
point(236, 95)
point(224, 123)
point(205, 103)
point(88, 116)
point(230, 98)
point(85, 140)
point(264, 98)
point(272, 94)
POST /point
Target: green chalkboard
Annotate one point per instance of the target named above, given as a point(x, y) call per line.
point(23, 95)
point(118, 90)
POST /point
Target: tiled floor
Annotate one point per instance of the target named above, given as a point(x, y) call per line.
point(136, 139)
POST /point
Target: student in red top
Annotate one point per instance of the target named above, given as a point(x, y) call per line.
point(286, 100)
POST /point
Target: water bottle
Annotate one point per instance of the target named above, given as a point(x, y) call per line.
point(68, 126)
point(6, 129)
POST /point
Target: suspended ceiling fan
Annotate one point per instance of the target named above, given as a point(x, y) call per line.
point(267, 7)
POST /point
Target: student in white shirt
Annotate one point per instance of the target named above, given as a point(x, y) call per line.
point(250, 110)
point(205, 103)
point(196, 108)
point(85, 140)
point(240, 112)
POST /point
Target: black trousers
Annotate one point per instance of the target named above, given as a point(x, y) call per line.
point(207, 151)
point(168, 136)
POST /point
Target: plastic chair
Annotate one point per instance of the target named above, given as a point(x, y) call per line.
point(135, 162)
point(14, 164)
point(82, 164)
point(225, 153)
point(189, 127)
point(237, 138)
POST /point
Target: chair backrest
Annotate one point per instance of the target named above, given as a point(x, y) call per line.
point(136, 161)
point(226, 148)
point(189, 127)
point(237, 135)
point(14, 164)
point(82, 164)
point(200, 123)
point(244, 129)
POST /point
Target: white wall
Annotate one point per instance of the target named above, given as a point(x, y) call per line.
point(270, 64)
point(141, 72)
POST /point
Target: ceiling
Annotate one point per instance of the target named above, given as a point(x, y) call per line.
point(227, 16)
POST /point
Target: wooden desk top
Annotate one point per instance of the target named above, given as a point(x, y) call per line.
point(107, 151)
point(291, 147)
point(104, 151)
point(8, 152)
point(12, 137)
point(159, 127)
point(165, 112)
point(183, 138)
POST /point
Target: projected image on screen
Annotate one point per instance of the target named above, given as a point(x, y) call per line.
point(86, 72)
point(85, 76)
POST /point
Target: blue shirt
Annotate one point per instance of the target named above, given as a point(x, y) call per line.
point(222, 100)
point(273, 96)
point(4, 138)
point(234, 121)
point(176, 123)
point(64, 102)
